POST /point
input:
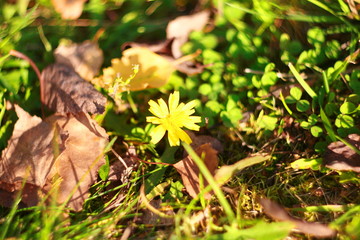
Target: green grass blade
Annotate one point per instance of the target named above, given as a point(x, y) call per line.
point(327, 125)
point(205, 171)
point(302, 82)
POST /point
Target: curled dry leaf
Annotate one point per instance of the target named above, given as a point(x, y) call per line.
point(69, 9)
point(66, 92)
point(85, 58)
point(180, 28)
point(189, 171)
point(279, 213)
point(64, 148)
point(154, 71)
point(341, 157)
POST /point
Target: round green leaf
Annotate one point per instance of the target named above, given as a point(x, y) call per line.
point(269, 78)
point(315, 36)
point(296, 93)
point(332, 49)
point(290, 100)
point(312, 119)
point(330, 109)
point(205, 89)
point(302, 105)
point(347, 108)
point(268, 122)
point(344, 121)
point(305, 125)
point(316, 131)
point(212, 108)
point(240, 81)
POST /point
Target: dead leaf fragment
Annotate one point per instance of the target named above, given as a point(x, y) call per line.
point(69, 9)
point(279, 213)
point(189, 171)
point(66, 92)
point(181, 27)
point(85, 58)
point(339, 156)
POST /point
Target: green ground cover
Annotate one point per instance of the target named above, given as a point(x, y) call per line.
point(281, 79)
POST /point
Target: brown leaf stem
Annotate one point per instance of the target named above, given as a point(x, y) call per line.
point(37, 71)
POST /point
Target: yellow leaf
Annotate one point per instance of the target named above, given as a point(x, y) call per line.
point(154, 70)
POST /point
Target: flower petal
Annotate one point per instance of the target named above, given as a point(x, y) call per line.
point(154, 120)
point(191, 126)
point(183, 135)
point(164, 108)
point(157, 134)
point(173, 137)
point(155, 109)
point(189, 106)
point(174, 101)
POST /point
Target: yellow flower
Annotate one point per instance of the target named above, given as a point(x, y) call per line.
point(172, 118)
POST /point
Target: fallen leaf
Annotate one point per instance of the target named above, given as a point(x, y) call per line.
point(162, 48)
point(85, 58)
point(64, 148)
point(180, 28)
point(69, 9)
point(198, 140)
point(66, 92)
point(154, 70)
point(189, 171)
point(277, 212)
point(78, 164)
point(30, 154)
point(339, 156)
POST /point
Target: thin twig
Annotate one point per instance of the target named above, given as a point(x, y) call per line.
point(37, 71)
point(158, 163)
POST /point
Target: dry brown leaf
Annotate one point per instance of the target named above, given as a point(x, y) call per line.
point(66, 92)
point(65, 148)
point(85, 58)
point(182, 26)
point(30, 146)
point(69, 9)
point(339, 156)
point(189, 171)
point(154, 70)
point(29, 156)
point(198, 140)
point(78, 164)
point(279, 213)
